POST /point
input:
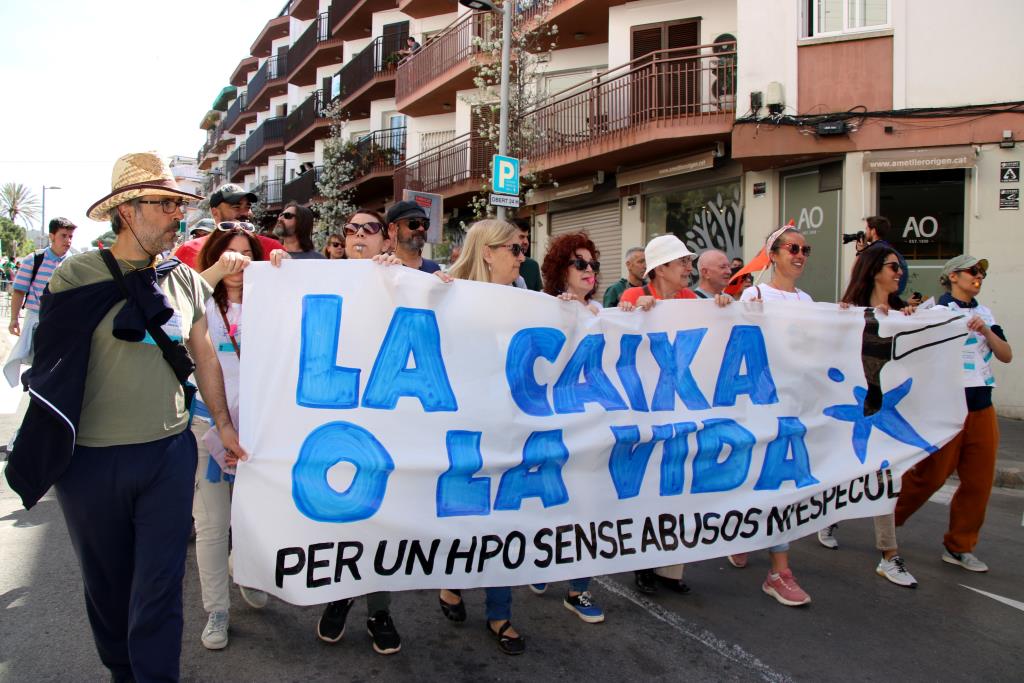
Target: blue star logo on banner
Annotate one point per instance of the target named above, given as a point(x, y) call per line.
point(887, 419)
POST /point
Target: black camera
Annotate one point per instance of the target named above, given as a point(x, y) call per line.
point(853, 237)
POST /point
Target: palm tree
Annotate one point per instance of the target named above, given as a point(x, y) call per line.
point(19, 204)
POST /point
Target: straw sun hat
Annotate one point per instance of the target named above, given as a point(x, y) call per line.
point(136, 175)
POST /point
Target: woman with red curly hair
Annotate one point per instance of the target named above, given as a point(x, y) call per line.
point(570, 269)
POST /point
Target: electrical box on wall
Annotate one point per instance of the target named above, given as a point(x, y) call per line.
point(774, 98)
point(832, 128)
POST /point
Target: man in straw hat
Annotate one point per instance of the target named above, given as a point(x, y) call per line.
point(108, 420)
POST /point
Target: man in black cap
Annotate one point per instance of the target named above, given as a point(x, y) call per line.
point(407, 228)
point(229, 203)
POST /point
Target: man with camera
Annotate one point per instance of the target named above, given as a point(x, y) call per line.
point(876, 228)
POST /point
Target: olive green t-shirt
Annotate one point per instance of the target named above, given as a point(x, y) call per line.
point(131, 394)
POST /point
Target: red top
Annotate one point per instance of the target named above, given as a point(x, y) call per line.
point(188, 253)
point(634, 293)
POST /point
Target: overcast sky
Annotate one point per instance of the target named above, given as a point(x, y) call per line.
point(86, 81)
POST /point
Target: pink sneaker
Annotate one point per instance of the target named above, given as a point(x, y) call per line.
point(784, 588)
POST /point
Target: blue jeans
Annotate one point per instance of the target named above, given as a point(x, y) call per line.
point(780, 548)
point(129, 513)
point(579, 585)
point(498, 603)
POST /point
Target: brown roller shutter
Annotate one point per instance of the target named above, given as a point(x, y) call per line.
point(603, 224)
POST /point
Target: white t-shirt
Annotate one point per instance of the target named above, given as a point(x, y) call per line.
point(229, 363)
point(769, 293)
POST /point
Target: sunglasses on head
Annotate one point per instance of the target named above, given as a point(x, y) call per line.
point(894, 266)
point(516, 249)
point(975, 271)
point(236, 225)
point(371, 228)
point(418, 224)
point(581, 264)
point(795, 249)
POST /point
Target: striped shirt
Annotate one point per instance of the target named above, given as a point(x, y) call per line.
point(24, 276)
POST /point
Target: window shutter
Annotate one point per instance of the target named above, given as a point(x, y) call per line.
point(646, 41)
point(683, 34)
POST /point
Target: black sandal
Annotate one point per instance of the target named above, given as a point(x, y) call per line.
point(507, 644)
point(674, 585)
point(456, 612)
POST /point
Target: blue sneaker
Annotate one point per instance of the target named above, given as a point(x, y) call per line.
point(538, 588)
point(584, 607)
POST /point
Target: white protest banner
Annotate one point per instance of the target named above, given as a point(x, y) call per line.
point(406, 433)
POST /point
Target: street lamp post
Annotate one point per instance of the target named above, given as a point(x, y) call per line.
point(506, 58)
point(42, 221)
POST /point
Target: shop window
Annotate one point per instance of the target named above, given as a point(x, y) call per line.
point(926, 209)
point(708, 217)
point(836, 17)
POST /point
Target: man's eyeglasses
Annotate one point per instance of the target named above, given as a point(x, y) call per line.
point(167, 205)
point(894, 266)
point(369, 228)
point(288, 215)
point(516, 249)
point(975, 271)
point(795, 249)
point(581, 264)
point(418, 224)
point(236, 225)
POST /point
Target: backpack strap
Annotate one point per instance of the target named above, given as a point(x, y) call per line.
point(40, 256)
point(647, 291)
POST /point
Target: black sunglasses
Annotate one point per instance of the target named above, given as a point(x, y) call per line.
point(795, 249)
point(235, 225)
point(581, 264)
point(516, 249)
point(419, 224)
point(287, 214)
point(894, 266)
point(369, 228)
point(974, 271)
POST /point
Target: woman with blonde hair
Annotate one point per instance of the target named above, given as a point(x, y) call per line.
point(490, 253)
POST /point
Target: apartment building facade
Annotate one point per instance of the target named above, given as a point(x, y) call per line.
point(697, 117)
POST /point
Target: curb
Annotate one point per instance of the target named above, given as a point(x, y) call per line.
point(1009, 477)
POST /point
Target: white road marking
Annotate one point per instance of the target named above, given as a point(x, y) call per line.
point(723, 648)
point(998, 598)
point(943, 495)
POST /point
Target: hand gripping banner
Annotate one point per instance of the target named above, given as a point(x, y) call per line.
point(406, 433)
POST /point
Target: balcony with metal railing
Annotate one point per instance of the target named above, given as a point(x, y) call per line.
point(302, 189)
point(316, 47)
point(239, 114)
point(665, 102)
point(429, 79)
point(352, 19)
point(270, 81)
point(583, 22)
point(370, 75)
point(454, 169)
point(235, 167)
point(421, 9)
point(375, 157)
point(271, 193)
point(240, 76)
point(267, 139)
point(274, 29)
point(306, 124)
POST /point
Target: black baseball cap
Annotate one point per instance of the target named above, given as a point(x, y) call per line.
point(405, 209)
point(232, 194)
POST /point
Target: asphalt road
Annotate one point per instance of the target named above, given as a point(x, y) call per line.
point(859, 626)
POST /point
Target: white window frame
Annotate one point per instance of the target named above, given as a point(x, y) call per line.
point(809, 16)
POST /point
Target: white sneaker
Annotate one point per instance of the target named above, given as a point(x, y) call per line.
point(896, 571)
point(966, 560)
point(827, 537)
point(253, 597)
point(215, 635)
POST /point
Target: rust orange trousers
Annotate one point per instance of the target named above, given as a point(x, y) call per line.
point(972, 455)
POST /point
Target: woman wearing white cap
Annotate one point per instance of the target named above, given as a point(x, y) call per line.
point(788, 251)
point(972, 452)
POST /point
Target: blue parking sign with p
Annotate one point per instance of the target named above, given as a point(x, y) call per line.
point(505, 175)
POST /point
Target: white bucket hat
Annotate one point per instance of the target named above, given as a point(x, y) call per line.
point(663, 249)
